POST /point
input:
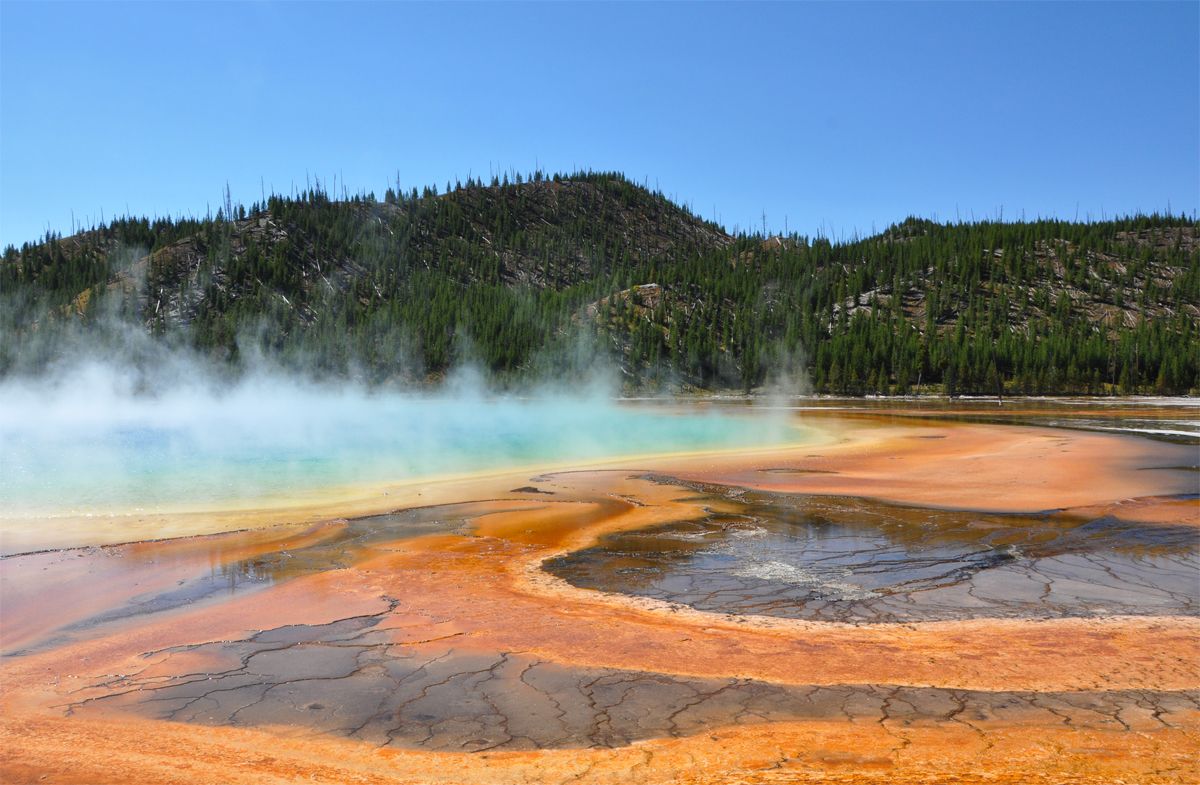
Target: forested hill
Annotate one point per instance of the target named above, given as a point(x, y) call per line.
point(540, 276)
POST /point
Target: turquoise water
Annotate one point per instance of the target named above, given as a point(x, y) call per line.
point(79, 454)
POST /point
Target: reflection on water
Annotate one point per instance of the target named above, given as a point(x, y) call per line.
point(336, 546)
point(857, 560)
point(354, 536)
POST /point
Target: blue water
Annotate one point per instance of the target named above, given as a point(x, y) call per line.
point(75, 455)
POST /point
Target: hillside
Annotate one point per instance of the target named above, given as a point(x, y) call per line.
point(545, 276)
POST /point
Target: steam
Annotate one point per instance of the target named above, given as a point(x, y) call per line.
point(787, 377)
point(148, 427)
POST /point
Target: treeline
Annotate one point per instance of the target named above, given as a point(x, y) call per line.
point(1037, 308)
point(546, 274)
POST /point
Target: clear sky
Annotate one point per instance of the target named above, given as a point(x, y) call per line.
point(833, 117)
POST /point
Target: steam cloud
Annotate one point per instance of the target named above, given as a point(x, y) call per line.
point(131, 424)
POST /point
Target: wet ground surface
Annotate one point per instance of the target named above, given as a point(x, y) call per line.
point(407, 679)
point(375, 678)
point(1175, 420)
point(854, 560)
point(341, 545)
point(1059, 646)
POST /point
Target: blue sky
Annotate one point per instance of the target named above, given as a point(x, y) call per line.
point(833, 117)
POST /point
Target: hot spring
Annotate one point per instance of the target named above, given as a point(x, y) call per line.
point(89, 450)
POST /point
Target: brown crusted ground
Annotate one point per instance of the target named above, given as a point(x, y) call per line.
point(1063, 701)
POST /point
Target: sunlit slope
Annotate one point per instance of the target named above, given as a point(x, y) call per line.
point(537, 278)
